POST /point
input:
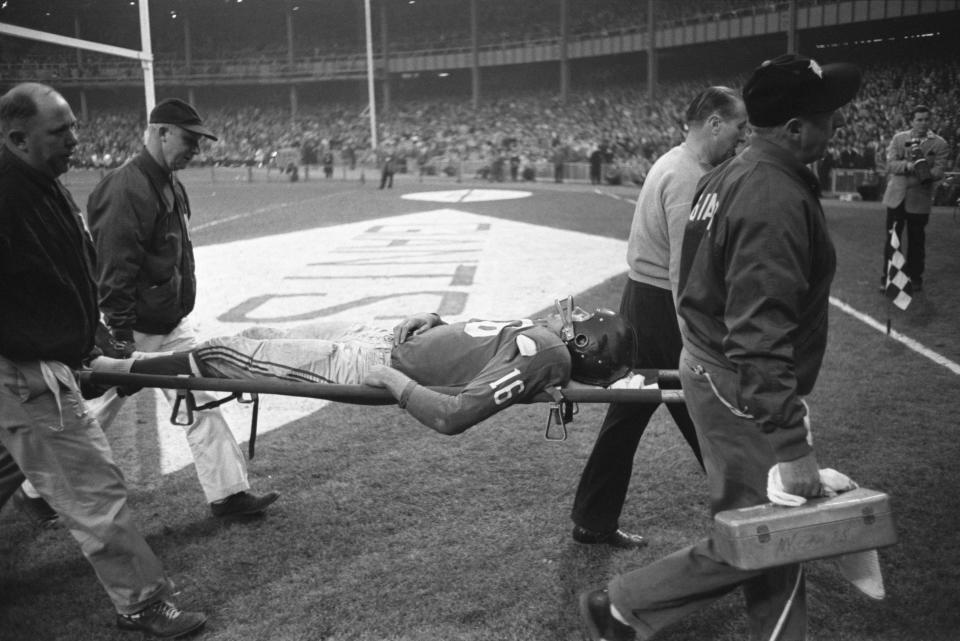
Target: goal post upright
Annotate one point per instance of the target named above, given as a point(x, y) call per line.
point(144, 55)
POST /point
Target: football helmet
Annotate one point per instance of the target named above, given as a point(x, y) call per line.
point(601, 344)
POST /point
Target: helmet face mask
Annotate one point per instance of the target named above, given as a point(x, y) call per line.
point(601, 344)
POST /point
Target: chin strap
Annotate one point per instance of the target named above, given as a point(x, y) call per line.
point(565, 310)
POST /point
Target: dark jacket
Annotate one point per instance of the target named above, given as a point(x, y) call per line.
point(754, 287)
point(48, 300)
point(145, 272)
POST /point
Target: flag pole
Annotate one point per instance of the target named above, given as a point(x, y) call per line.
point(889, 305)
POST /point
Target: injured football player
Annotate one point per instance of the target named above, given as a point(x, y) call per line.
point(492, 363)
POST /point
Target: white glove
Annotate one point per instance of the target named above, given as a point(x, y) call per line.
point(832, 482)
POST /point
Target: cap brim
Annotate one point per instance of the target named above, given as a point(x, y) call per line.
point(842, 82)
point(199, 130)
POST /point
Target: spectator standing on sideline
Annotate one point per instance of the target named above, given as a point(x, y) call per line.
point(138, 217)
point(48, 320)
point(916, 159)
point(716, 119)
point(328, 164)
point(755, 273)
point(558, 157)
point(596, 165)
point(387, 170)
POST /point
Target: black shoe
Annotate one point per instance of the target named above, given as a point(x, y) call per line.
point(243, 503)
point(617, 538)
point(598, 622)
point(37, 510)
point(162, 620)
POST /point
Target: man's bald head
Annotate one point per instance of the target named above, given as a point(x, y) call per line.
point(39, 127)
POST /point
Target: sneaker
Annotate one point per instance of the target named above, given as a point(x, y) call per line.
point(162, 620)
point(617, 538)
point(242, 504)
point(36, 509)
point(597, 620)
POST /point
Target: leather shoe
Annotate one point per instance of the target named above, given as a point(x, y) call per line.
point(617, 538)
point(36, 509)
point(162, 620)
point(243, 504)
point(597, 620)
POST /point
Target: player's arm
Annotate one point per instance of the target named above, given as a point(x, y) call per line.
point(437, 411)
point(498, 386)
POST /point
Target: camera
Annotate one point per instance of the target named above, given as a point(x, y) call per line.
point(913, 147)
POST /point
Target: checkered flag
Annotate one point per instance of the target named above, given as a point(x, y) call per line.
point(899, 288)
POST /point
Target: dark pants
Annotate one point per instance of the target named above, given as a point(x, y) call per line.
point(737, 456)
point(916, 252)
point(604, 482)
point(386, 179)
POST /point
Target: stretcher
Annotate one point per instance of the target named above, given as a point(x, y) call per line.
point(563, 401)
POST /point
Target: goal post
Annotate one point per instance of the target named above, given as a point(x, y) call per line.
point(144, 55)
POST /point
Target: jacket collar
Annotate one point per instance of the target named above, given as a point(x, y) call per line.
point(160, 178)
point(9, 161)
point(761, 149)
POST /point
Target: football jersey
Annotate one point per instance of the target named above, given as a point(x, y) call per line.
point(496, 363)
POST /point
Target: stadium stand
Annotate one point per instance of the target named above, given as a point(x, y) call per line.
point(438, 132)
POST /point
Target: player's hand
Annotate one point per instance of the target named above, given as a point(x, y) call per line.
point(801, 476)
point(413, 325)
point(376, 377)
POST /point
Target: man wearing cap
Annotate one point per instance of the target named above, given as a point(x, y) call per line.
point(755, 273)
point(138, 217)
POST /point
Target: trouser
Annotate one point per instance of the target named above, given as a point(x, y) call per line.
point(916, 243)
point(326, 352)
point(386, 179)
point(737, 457)
point(60, 448)
point(606, 476)
point(220, 464)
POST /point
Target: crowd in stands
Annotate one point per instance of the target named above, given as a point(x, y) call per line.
point(257, 32)
point(534, 126)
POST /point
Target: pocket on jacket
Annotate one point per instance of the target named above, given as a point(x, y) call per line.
point(161, 302)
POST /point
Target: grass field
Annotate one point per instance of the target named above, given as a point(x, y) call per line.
point(386, 531)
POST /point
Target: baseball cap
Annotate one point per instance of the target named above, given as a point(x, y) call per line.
point(174, 111)
point(792, 85)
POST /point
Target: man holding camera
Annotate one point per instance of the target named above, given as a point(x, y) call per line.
point(916, 159)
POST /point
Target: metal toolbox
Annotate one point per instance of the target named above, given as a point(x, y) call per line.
point(769, 535)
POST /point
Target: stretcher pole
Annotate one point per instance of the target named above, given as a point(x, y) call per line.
point(358, 394)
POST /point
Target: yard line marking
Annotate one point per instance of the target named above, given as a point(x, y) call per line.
point(463, 196)
point(601, 192)
point(262, 210)
point(919, 348)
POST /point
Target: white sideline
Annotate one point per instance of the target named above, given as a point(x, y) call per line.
point(897, 336)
